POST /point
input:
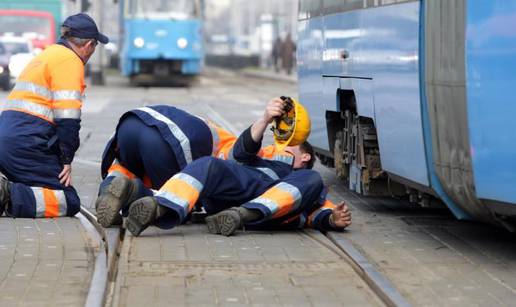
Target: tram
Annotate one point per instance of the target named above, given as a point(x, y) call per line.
point(414, 98)
point(162, 40)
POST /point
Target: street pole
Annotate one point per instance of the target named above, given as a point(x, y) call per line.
point(97, 69)
point(78, 4)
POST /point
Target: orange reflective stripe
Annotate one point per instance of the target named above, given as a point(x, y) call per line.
point(282, 198)
point(327, 205)
point(116, 167)
point(267, 152)
point(182, 190)
point(30, 96)
point(67, 104)
point(225, 143)
point(51, 203)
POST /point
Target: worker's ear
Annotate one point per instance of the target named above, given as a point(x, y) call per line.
point(305, 157)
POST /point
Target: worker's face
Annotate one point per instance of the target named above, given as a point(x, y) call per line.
point(88, 50)
point(300, 158)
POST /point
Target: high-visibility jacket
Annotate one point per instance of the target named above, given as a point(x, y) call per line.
point(51, 88)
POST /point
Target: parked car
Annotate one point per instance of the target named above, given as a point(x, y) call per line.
point(21, 53)
point(5, 82)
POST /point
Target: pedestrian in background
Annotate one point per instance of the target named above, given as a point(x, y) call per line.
point(288, 49)
point(276, 52)
point(40, 123)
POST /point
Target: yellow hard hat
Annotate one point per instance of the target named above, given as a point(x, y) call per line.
point(293, 128)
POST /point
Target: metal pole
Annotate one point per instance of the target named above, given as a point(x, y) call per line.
point(78, 4)
point(97, 69)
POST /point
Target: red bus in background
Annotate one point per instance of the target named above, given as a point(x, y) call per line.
point(38, 26)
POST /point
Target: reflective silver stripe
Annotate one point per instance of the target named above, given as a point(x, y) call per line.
point(45, 92)
point(40, 201)
point(33, 88)
point(66, 95)
point(284, 159)
point(215, 137)
point(41, 205)
point(176, 131)
point(115, 174)
point(67, 113)
point(61, 199)
point(292, 190)
point(173, 198)
point(268, 172)
point(272, 205)
point(196, 184)
point(31, 107)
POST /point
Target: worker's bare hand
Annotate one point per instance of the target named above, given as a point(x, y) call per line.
point(341, 216)
point(65, 177)
point(274, 109)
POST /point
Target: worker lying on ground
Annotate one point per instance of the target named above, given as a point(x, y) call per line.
point(40, 123)
point(255, 191)
point(150, 145)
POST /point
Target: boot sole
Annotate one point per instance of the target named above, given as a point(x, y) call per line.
point(212, 224)
point(228, 222)
point(110, 202)
point(142, 214)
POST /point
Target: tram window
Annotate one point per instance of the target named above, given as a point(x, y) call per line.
point(309, 9)
point(387, 2)
point(334, 6)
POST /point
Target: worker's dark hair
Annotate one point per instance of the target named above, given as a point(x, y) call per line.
point(306, 147)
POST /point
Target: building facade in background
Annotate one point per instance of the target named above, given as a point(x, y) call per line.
point(249, 28)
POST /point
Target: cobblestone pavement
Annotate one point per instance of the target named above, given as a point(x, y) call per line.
point(432, 259)
point(187, 266)
point(45, 262)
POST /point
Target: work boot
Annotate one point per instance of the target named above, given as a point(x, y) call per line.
point(5, 194)
point(117, 193)
point(142, 213)
point(228, 221)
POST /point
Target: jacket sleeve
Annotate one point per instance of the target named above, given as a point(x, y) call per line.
point(68, 89)
point(320, 218)
point(246, 149)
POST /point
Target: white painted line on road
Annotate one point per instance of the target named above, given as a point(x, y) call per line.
point(218, 119)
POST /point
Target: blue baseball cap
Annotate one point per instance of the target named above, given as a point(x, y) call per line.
point(83, 26)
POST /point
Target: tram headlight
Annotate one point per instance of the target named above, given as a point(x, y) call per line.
point(139, 42)
point(182, 43)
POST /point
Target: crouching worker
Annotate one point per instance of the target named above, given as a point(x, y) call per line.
point(150, 145)
point(255, 190)
point(40, 123)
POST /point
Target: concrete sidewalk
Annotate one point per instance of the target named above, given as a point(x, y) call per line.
point(45, 262)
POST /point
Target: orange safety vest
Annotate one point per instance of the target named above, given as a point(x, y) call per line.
point(51, 86)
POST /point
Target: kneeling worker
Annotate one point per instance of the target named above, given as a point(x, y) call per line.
point(40, 123)
point(256, 191)
point(150, 145)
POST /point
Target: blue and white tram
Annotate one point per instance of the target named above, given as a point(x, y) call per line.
point(162, 39)
point(414, 97)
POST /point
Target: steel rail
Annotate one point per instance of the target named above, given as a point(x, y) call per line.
point(380, 285)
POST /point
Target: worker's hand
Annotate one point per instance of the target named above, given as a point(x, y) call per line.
point(65, 177)
point(274, 109)
point(341, 216)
